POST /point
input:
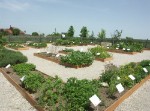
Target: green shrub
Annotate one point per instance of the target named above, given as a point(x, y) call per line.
point(11, 57)
point(102, 52)
point(51, 94)
point(144, 63)
point(33, 82)
point(15, 45)
point(78, 92)
point(24, 68)
point(78, 58)
point(38, 45)
point(68, 50)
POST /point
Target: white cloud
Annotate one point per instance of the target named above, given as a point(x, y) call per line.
point(14, 5)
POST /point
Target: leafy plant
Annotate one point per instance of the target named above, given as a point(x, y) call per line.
point(11, 57)
point(99, 52)
point(78, 92)
point(78, 58)
point(51, 94)
point(33, 82)
point(15, 45)
point(24, 68)
point(144, 63)
point(38, 45)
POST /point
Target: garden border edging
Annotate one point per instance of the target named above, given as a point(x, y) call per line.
point(127, 94)
point(24, 93)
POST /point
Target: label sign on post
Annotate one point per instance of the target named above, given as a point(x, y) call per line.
point(145, 70)
point(98, 53)
point(8, 66)
point(131, 77)
point(22, 79)
point(57, 55)
point(120, 88)
point(95, 100)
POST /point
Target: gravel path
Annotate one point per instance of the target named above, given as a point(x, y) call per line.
point(91, 72)
point(11, 99)
point(138, 101)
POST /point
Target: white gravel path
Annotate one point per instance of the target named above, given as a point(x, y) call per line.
point(91, 72)
point(11, 99)
point(138, 101)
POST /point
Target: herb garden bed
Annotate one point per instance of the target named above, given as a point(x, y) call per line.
point(104, 59)
point(122, 52)
point(48, 57)
point(108, 105)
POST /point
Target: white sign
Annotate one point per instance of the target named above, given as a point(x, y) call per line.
point(128, 49)
point(107, 47)
point(8, 66)
point(63, 35)
point(117, 48)
point(22, 79)
point(47, 52)
point(145, 70)
point(38, 51)
point(91, 42)
point(118, 78)
point(57, 55)
point(120, 88)
point(124, 49)
point(131, 77)
point(95, 100)
point(81, 50)
point(98, 53)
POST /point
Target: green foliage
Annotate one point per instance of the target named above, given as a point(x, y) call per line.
point(11, 57)
point(24, 68)
point(144, 63)
point(78, 92)
point(63, 42)
point(38, 45)
point(15, 45)
point(110, 76)
point(33, 82)
point(51, 94)
point(133, 47)
point(99, 52)
point(78, 58)
point(70, 31)
point(102, 34)
point(35, 34)
point(84, 32)
point(2, 40)
point(68, 50)
point(16, 31)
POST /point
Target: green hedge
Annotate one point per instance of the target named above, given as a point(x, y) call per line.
point(11, 57)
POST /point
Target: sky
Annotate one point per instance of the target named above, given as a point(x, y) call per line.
point(43, 16)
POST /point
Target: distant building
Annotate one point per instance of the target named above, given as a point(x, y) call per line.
point(9, 31)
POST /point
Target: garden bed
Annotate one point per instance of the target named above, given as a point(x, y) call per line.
point(104, 59)
point(122, 52)
point(48, 57)
point(146, 48)
point(108, 105)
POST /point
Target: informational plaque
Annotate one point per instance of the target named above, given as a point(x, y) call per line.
point(120, 88)
point(131, 77)
point(95, 100)
point(22, 79)
point(98, 53)
point(57, 55)
point(118, 78)
point(8, 66)
point(145, 70)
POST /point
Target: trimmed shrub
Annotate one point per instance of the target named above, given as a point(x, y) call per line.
point(11, 57)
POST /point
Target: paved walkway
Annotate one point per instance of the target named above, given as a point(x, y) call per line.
point(11, 99)
point(91, 72)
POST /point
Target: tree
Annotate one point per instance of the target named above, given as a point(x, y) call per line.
point(116, 36)
point(16, 31)
point(35, 34)
point(70, 32)
point(92, 35)
point(84, 32)
point(102, 34)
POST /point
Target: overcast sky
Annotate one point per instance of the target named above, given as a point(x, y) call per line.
point(43, 16)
